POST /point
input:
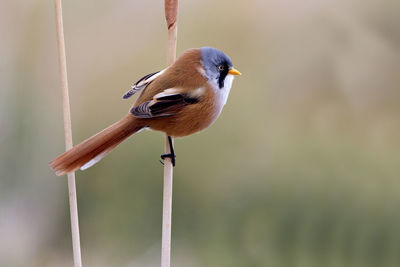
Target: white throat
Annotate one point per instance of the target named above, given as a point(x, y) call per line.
point(223, 93)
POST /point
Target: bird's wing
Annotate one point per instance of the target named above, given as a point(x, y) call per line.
point(164, 104)
point(142, 83)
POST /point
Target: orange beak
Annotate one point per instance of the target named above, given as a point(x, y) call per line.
point(234, 72)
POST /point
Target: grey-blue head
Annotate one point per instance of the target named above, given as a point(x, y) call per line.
point(217, 65)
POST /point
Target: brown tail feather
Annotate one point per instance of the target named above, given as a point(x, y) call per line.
point(96, 147)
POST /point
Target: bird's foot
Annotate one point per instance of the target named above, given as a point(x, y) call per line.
point(172, 156)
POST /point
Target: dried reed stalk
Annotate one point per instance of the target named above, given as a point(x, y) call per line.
point(171, 13)
point(68, 133)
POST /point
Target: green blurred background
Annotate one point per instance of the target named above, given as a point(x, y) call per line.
point(301, 169)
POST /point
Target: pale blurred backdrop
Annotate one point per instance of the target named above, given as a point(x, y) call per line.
point(301, 169)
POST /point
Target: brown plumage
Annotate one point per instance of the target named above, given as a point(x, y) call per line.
point(99, 144)
point(182, 78)
point(179, 101)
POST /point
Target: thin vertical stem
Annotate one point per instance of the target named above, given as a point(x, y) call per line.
point(68, 133)
point(167, 209)
point(172, 38)
point(171, 12)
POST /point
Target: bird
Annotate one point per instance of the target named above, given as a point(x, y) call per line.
point(184, 98)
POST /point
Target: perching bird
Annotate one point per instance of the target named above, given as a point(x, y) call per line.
point(180, 100)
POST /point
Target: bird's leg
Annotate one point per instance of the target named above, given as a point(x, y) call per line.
point(172, 152)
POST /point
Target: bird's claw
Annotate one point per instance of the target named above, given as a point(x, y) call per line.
point(171, 156)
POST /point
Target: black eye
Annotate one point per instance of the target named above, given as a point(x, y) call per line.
point(221, 67)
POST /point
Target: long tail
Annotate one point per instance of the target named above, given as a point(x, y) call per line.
point(93, 149)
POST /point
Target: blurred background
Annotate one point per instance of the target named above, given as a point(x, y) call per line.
point(301, 169)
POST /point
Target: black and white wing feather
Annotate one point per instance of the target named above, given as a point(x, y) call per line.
point(164, 104)
point(142, 83)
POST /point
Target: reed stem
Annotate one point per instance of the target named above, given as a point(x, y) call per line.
point(171, 12)
point(73, 206)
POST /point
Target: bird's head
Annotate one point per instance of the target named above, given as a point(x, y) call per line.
point(217, 66)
